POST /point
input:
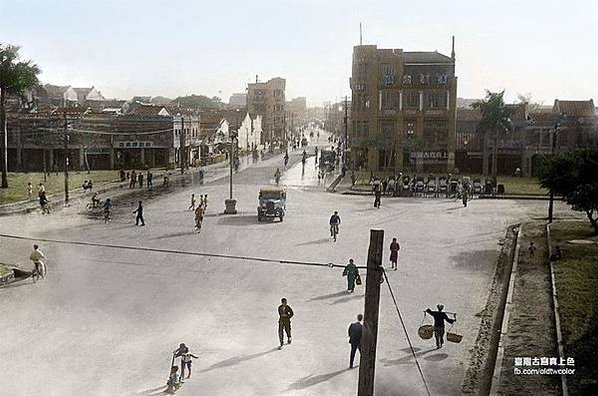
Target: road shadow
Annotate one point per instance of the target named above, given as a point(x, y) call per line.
point(312, 380)
point(436, 358)
point(315, 242)
point(237, 360)
point(475, 261)
point(353, 296)
point(405, 359)
point(327, 296)
point(175, 234)
point(244, 220)
point(155, 391)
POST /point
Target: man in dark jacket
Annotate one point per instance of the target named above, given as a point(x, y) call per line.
point(285, 313)
point(439, 318)
point(355, 332)
point(139, 212)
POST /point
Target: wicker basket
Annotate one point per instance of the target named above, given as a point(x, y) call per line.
point(425, 332)
point(453, 337)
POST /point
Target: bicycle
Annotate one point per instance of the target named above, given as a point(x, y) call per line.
point(36, 274)
point(334, 230)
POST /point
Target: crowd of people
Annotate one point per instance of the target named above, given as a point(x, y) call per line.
point(137, 179)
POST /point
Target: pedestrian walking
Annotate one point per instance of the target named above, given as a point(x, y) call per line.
point(150, 180)
point(179, 352)
point(140, 180)
point(353, 178)
point(394, 253)
point(285, 313)
point(377, 195)
point(204, 202)
point(43, 203)
point(352, 273)
point(192, 206)
point(139, 217)
point(439, 319)
point(133, 181)
point(121, 174)
point(29, 190)
point(355, 332)
point(186, 362)
point(41, 189)
point(532, 249)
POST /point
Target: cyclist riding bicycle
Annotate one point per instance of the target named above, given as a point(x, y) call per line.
point(37, 256)
point(95, 201)
point(335, 220)
point(107, 208)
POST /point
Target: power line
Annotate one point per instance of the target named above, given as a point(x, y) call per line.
point(394, 300)
point(181, 252)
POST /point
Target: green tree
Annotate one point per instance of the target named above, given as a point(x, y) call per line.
point(198, 101)
point(496, 119)
point(573, 175)
point(16, 76)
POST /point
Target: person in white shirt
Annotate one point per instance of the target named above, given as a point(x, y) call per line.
point(37, 257)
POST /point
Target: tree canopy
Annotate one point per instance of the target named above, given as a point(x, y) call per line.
point(573, 175)
point(15, 77)
point(199, 101)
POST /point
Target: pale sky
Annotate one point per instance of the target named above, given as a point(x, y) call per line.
point(170, 48)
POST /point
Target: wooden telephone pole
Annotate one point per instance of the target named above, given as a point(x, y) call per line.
point(66, 159)
point(367, 365)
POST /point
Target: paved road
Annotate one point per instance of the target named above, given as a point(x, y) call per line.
point(105, 320)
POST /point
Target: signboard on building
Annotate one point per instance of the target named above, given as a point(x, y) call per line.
point(432, 157)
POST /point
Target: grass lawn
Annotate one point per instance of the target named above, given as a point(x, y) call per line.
point(513, 185)
point(17, 183)
point(576, 277)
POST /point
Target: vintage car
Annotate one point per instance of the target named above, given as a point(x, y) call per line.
point(327, 160)
point(272, 203)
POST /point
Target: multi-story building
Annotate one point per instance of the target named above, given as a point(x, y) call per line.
point(237, 100)
point(403, 110)
point(574, 123)
point(268, 100)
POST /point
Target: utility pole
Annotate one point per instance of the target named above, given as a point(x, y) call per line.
point(552, 150)
point(346, 133)
point(369, 340)
point(66, 159)
point(182, 144)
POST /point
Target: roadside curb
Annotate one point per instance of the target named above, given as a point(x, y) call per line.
point(555, 307)
point(332, 187)
point(505, 320)
point(513, 197)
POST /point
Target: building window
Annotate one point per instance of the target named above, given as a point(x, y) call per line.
point(441, 79)
point(388, 73)
point(435, 99)
point(389, 100)
point(412, 100)
point(407, 79)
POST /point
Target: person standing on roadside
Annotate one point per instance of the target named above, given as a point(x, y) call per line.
point(351, 272)
point(139, 212)
point(377, 195)
point(133, 181)
point(150, 180)
point(394, 253)
point(29, 190)
point(41, 189)
point(37, 257)
point(355, 332)
point(140, 179)
point(285, 313)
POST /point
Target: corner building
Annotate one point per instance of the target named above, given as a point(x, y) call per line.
point(403, 110)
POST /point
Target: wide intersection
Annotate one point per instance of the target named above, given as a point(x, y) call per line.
point(106, 320)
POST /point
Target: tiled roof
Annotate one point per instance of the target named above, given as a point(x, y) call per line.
point(55, 91)
point(468, 114)
point(426, 57)
point(576, 108)
point(144, 110)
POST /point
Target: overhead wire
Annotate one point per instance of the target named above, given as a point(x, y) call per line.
point(394, 300)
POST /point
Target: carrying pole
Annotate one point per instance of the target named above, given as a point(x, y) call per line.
point(367, 366)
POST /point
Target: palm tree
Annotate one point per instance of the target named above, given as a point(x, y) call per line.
point(15, 77)
point(495, 120)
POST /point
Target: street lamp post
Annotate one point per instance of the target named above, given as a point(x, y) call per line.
point(230, 203)
point(557, 126)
